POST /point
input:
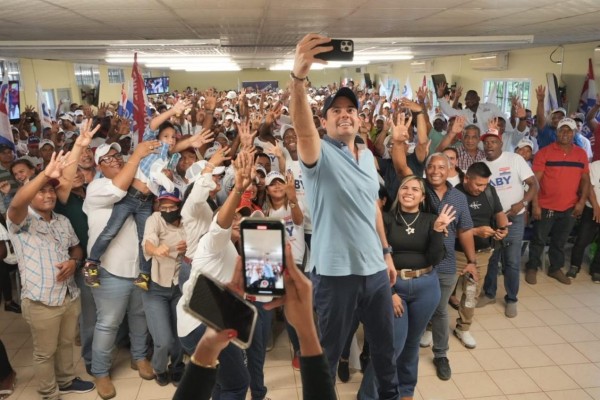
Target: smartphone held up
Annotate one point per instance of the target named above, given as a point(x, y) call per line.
point(343, 50)
point(263, 244)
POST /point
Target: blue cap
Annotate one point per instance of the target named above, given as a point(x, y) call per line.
point(173, 196)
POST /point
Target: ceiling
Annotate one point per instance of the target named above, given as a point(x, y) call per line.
point(260, 33)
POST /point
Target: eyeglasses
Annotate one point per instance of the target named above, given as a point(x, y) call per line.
point(110, 159)
point(474, 118)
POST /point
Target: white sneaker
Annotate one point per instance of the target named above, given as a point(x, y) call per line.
point(466, 338)
point(426, 339)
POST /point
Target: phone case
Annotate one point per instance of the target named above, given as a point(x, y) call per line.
point(186, 306)
point(343, 50)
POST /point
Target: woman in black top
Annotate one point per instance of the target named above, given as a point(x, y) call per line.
point(416, 238)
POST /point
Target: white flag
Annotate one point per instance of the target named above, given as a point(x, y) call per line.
point(407, 91)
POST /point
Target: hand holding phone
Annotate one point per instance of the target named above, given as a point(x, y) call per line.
point(263, 243)
point(343, 50)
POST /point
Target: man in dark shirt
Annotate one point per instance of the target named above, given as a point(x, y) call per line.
point(490, 226)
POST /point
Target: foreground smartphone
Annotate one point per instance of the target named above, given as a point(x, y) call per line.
point(220, 308)
point(263, 242)
point(343, 50)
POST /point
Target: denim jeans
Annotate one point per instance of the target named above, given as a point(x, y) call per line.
point(337, 299)
point(233, 378)
point(184, 274)
point(510, 255)
point(587, 232)
point(115, 297)
point(420, 296)
point(161, 303)
point(258, 351)
point(440, 319)
point(558, 225)
point(129, 205)
point(87, 319)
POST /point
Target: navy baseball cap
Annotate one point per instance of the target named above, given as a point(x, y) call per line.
point(342, 92)
point(173, 196)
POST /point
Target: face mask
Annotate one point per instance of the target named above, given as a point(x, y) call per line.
point(171, 216)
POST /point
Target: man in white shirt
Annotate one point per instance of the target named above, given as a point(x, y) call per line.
point(509, 172)
point(475, 112)
point(119, 267)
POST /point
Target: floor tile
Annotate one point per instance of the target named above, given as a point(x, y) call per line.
point(510, 338)
point(536, 303)
point(529, 356)
point(279, 356)
point(590, 349)
point(464, 362)
point(551, 378)
point(594, 328)
point(563, 354)
point(526, 319)
point(541, 335)
point(127, 388)
point(529, 396)
point(574, 333)
point(563, 301)
point(494, 359)
point(583, 314)
point(513, 381)
point(476, 384)
point(574, 394)
point(431, 387)
point(554, 317)
point(595, 393)
point(493, 322)
point(586, 375)
point(346, 391)
point(280, 377)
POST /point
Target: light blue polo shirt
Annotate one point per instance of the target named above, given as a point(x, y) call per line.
point(341, 196)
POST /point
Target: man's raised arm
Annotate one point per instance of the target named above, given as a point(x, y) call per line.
point(309, 143)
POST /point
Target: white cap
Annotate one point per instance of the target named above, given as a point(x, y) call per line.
point(387, 105)
point(565, 121)
point(45, 142)
point(103, 149)
point(271, 176)
point(231, 95)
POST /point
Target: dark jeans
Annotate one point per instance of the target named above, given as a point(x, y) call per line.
point(558, 225)
point(420, 297)
point(257, 352)
point(233, 377)
point(87, 319)
point(510, 255)
point(5, 283)
point(337, 300)
point(588, 229)
point(5, 368)
point(129, 205)
point(184, 274)
point(160, 304)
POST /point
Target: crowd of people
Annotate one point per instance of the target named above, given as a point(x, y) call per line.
point(393, 208)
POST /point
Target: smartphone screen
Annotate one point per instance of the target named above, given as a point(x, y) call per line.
point(263, 242)
point(343, 50)
point(221, 309)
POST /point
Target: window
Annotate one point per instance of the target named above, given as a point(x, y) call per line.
point(146, 74)
point(504, 90)
point(116, 75)
point(12, 67)
point(86, 74)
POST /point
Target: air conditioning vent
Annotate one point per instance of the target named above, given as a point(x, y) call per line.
point(489, 61)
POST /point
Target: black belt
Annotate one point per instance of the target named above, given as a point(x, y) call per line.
point(136, 194)
point(406, 274)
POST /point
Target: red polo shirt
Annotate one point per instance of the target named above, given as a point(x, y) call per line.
point(562, 175)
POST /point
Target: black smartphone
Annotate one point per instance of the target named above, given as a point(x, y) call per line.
point(263, 241)
point(343, 50)
point(220, 308)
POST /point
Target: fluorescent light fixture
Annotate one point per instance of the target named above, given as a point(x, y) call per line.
point(384, 57)
point(165, 59)
point(212, 68)
point(417, 63)
point(449, 40)
point(490, 57)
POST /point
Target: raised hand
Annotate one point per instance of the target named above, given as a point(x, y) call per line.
point(458, 92)
point(306, 50)
point(493, 124)
point(210, 101)
point(290, 186)
point(243, 171)
point(520, 111)
point(145, 148)
point(220, 156)
point(124, 127)
point(58, 162)
point(246, 135)
point(459, 125)
point(5, 187)
point(400, 129)
point(181, 105)
point(411, 105)
point(441, 89)
point(86, 133)
point(540, 93)
point(445, 218)
point(200, 139)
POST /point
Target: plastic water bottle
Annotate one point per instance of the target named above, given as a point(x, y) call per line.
point(470, 291)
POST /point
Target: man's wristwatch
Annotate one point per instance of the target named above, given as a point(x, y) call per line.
point(387, 250)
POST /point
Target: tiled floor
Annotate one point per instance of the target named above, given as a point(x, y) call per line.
point(550, 351)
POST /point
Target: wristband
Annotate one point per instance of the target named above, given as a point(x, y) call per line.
point(195, 362)
point(297, 77)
